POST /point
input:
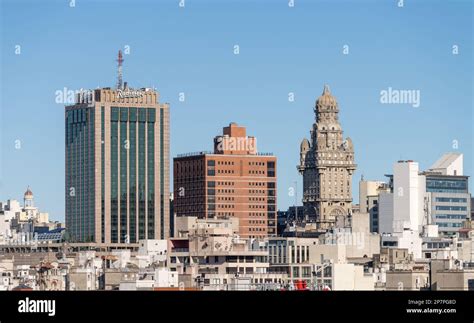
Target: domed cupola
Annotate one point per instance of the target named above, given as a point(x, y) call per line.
point(28, 193)
point(28, 198)
point(326, 101)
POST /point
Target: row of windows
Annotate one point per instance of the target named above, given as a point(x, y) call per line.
point(133, 114)
point(437, 245)
point(225, 206)
point(256, 222)
point(305, 272)
point(225, 213)
point(332, 203)
point(188, 167)
point(76, 116)
point(257, 229)
point(335, 183)
point(451, 208)
point(261, 172)
point(226, 191)
point(257, 184)
point(451, 199)
point(225, 198)
point(446, 185)
point(451, 216)
point(257, 163)
point(225, 171)
point(226, 183)
point(224, 163)
point(256, 214)
point(191, 208)
point(198, 192)
point(333, 170)
point(449, 225)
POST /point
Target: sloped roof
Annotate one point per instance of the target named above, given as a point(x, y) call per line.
point(445, 161)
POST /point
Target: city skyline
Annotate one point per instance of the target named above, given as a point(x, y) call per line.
point(151, 150)
point(231, 82)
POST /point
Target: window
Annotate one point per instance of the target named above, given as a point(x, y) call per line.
point(296, 272)
point(151, 115)
point(470, 284)
point(211, 184)
point(306, 272)
point(328, 271)
point(142, 115)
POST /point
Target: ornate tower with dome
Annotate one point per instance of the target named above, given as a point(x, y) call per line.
point(327, 164)
point(28, 199)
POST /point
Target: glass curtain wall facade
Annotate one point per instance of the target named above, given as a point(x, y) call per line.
point(117, 170)
point(80, 206)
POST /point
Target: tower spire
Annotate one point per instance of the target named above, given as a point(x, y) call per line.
point(326, 89)
point(119, 70)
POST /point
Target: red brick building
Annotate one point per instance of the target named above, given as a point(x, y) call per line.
point(234, 181)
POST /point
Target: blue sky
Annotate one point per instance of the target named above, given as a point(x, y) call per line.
point(282, 49)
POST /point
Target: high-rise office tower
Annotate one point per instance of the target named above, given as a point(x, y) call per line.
point(327, 164)
point(117, 165)
point(233, 181)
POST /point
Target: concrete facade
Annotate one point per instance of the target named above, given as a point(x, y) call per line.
point(412, 279)
point(369, 192)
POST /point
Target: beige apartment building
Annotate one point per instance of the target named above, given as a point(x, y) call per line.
point(415, 278)
point(209, 254)
point(455, 279)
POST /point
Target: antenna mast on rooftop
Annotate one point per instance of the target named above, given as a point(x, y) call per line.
point(119, 69)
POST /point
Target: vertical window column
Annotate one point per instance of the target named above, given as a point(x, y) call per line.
point(141, 172)
point(114, 118)
point(132, 174)
point(124, 147)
